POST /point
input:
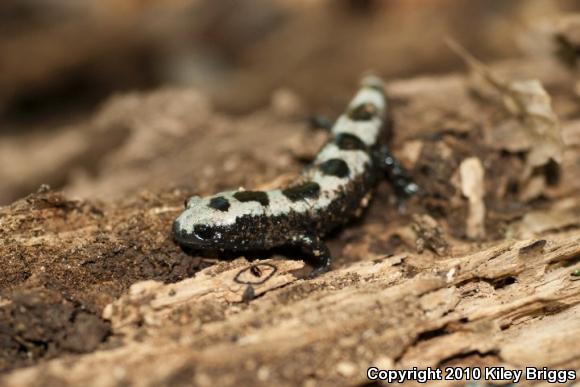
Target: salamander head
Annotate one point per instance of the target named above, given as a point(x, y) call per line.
point(214, 222)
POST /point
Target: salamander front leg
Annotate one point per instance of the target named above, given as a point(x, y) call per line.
point(402, 182)
point(317, 249)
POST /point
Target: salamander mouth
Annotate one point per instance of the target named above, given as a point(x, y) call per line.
point(186, 239)
point(194, 241)
point(197, 240)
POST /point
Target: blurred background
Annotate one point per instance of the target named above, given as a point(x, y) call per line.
point(61, 60)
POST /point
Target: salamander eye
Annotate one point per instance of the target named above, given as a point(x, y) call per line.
point(203, 232)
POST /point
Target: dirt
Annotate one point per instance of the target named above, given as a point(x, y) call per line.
point(65, 260)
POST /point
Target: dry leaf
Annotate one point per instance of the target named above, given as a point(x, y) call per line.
point(530, 105)
point(529, 101)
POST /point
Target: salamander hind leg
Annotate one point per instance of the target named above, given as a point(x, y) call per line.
point(317, 250)
point(399, 177)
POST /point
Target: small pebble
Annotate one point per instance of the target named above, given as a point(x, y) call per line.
point(346, 368)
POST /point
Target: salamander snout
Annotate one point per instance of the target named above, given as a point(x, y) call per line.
point(179, 234)
point(188, 231)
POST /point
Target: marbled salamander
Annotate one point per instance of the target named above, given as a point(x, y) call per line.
point(336, 187)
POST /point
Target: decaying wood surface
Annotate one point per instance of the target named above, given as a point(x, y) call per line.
point(456, 280)
point(399, 311)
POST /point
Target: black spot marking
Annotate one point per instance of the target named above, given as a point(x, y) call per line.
point(219, 203)
point(363, 112)
point(347, 141)
point(335, 167)
point(253, 196)
point(302, 191)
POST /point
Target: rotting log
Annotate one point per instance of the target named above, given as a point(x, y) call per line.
point(404, 291)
